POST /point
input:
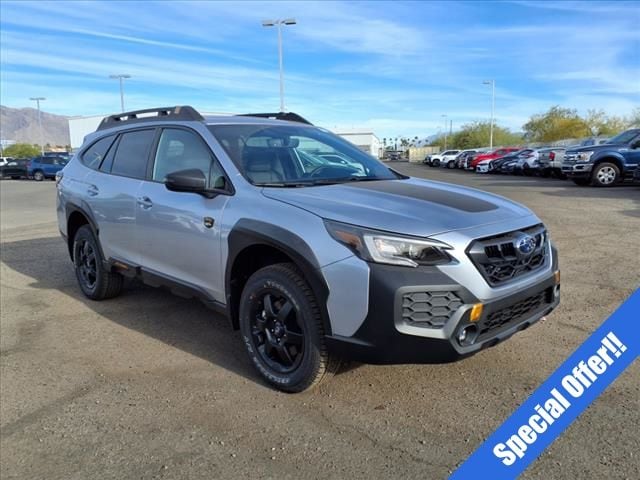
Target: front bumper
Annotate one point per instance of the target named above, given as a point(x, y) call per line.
point(387, 337)
point(577, 170)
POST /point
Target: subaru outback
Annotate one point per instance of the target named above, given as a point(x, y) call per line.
point(313, 260)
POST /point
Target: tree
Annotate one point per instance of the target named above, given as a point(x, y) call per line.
point(600, 124)
point(21, 150)
point(556, 124)
point(476, 134)
point(634, 119)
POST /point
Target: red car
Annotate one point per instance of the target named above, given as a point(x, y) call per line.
point(500, 152)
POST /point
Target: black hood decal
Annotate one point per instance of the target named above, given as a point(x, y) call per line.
point(458, 201)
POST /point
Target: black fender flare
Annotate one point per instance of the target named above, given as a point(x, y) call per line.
point(247, 233)
point(85, 211)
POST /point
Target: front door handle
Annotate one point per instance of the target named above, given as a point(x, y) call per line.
point(92, 191)
point(145, 202)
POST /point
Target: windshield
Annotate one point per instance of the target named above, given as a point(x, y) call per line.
point(292, 155)
point(624, 137)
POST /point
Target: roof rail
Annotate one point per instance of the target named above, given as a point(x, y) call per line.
point(138, 116)
point(289, 116)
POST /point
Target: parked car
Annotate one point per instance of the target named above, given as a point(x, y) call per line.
point(509, 166)
point(497, 153)
point(636, 174)
point(5, 160)
point(14, 168)
point(522, 158)
point(461, 158)
point(604, 165)
point(496, 164)
point(446, 159)
point(311, 274)
point(45, 167)
point(550, 161)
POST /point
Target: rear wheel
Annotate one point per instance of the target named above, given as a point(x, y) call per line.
point(282, 329)
point(95, 281)
point(451, 164)
point(38, 175)
point(605, 175)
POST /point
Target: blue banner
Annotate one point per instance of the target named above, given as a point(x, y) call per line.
point(559, 400)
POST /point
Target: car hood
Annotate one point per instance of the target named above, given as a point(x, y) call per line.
point(596, 148)
point(413, 206)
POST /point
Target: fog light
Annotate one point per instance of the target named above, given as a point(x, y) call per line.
point(467, 335)
point(476, 312)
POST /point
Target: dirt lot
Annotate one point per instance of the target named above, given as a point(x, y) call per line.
point(149, 385)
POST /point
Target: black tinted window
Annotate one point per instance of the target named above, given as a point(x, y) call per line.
point(180, 150)
point(93, 156)
point(133, 151)
point(46, 161)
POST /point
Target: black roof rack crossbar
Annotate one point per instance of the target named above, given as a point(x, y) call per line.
point(289, 116)
point(184, 112)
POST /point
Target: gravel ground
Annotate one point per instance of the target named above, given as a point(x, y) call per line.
point(149, 385)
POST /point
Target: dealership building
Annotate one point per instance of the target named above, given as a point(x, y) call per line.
point(364, 139)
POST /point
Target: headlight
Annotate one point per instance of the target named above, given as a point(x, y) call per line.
point(583, 156)
point(381, 247)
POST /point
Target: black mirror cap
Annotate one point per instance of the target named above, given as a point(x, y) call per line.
point(191, 180)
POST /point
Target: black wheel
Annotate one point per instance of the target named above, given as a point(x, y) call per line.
point(95, 281)
point(38, 175)
point(605, 175)
point(451, 164)
point(282, 329)
point(581, 181)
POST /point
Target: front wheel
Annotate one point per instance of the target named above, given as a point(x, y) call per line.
point(605, 175)
point(451, 164)
point(38, 176)
point(282, 329)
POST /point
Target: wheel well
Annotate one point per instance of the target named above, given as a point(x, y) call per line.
point(76, 220)
point(246, 263)
point(614, 160)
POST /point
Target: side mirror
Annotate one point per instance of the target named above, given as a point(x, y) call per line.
point(192, 180)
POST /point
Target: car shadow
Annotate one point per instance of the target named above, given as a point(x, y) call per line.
point(186, 324)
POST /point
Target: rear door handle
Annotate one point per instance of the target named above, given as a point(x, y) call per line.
point(145, 202)
point(92, 190)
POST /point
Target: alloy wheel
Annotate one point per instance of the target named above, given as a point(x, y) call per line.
point(86, 264)
point(606, 175)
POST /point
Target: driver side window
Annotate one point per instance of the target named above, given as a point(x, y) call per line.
point(183, 150)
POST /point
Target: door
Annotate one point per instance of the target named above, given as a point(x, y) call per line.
point(179, 232)
point(112, 193)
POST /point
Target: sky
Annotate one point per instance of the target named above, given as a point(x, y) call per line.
point(392, 67)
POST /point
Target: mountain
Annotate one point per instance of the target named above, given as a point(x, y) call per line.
point(21, 125)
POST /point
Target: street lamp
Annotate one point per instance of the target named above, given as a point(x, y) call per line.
point(493, 107)
point(121, 77)
point(38, 100)
point(445, 130)
point(279, 23)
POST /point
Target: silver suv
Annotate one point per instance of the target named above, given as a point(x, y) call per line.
point(314, 250)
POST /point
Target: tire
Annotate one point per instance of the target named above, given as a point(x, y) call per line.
point(451, 164)
point(282, 329)
point(605, 175)
point(95, 281)
point(581, 181)
point(38, 175)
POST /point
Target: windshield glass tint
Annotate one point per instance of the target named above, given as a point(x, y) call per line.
point(624, 137)
point(281, 155)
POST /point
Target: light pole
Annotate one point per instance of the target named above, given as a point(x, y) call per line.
point(493, 107)
point(445, 130)
point(38, 100)
point(121, 77)
point(279, 23)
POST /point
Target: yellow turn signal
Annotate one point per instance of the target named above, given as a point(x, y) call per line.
point(556, 275)
point(476, 312)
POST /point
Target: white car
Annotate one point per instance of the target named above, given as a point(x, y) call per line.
point(484, 166)
point(445, 159)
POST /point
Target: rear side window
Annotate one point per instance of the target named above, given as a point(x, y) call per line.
point(94, 155)
point(132, 154)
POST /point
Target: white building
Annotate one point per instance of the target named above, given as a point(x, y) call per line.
point(364, 139)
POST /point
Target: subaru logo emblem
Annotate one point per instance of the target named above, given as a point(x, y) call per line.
point(525, 244)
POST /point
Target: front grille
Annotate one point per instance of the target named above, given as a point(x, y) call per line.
point(429, 309)
point(499, 260)
point(513, 313)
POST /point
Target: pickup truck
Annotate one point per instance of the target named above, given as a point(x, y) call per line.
point(604, 165)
